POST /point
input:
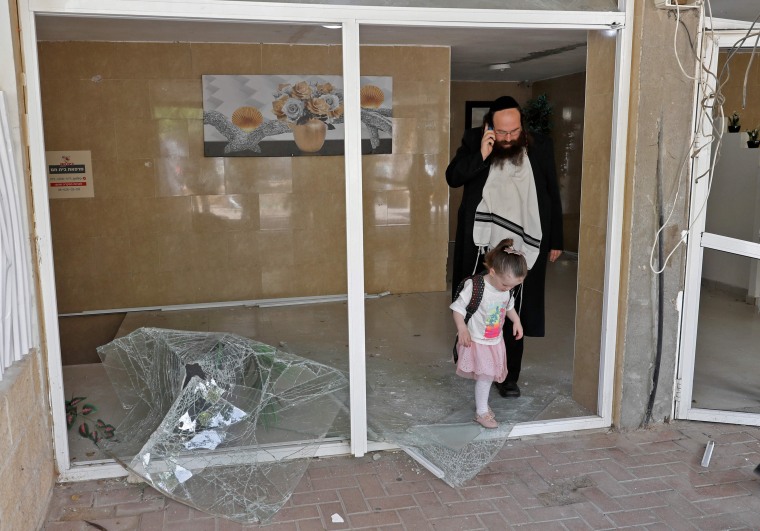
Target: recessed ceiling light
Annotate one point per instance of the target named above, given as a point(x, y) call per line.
point(499, 66)
point(332, 26)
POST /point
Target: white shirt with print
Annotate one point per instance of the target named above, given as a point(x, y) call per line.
point(486, 323)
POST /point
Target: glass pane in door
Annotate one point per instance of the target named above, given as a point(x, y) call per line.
point(415, 398)
point(733, 207)
point(727, 357)
point(201, 290)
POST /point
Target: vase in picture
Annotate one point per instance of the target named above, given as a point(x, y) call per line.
point(310, 137)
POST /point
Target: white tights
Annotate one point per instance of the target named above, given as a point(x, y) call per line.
point(482, 389)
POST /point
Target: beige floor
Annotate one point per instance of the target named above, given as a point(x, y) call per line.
point(410, 373)
point(727, 361)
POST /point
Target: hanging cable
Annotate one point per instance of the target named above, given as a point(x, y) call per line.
point(710, 109)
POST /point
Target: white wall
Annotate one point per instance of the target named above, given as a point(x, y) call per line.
point(8, 84)
point(733, 210)
point(16, 192)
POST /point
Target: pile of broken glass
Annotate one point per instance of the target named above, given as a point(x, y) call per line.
point(220, 422)
point(228, 425)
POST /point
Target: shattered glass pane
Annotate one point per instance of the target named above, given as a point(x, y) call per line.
point(432, 427)
point(220, 422)
point(228, 424)
point(416, 400)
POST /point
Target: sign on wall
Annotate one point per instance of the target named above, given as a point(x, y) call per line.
point(290, 115)
point(69, 174)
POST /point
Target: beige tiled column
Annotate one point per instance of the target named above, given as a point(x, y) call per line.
point(593, 218)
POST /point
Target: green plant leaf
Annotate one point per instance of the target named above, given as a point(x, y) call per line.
point(84, 430)
point(75, 401)
point(88, 408)
point(71, 417)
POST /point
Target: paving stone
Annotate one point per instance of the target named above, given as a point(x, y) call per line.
point(644, 479)
point(679, 503)
point(392, 502)
point(155, 522)
point(413, 518)
point(312, 524)
point(127, 523)
point(353, 500)
point(719, 523)
point(372, 488)
point(670, 517)
point(327, 510)
point(483, 492)
point(576, 524)
point(549, 514)
point(176, 511)
point(446, 494)
point(511, 510)
point(205, 524)
point(334, 483)
point(285, 526)
point(373, 519)
point(640, 486)
point(401, 487)
point(635, 517)
point(67, 526)
point(601, 500)
point(595, 518)
point(493, 521)
point(114, 497)
point(525, 497)
point(311, 498)
point(650, 471)
point(457, 523)
point(543, 526)
point(303, 512)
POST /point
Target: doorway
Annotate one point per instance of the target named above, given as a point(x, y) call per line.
point(356, 259)
point(721, 314)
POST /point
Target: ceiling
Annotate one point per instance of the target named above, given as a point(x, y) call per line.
point(532, 54)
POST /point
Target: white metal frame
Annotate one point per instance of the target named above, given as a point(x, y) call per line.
point(699, 240)
point(351, 18)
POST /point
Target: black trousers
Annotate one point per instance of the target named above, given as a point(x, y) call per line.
point(514, 354)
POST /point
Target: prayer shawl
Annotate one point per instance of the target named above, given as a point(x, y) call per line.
point(509, 209)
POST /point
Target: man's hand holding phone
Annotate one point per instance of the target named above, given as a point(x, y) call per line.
point(486, 143)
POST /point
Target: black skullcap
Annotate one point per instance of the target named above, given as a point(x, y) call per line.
point(503, 102)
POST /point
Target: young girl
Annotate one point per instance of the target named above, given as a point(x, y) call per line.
point(482, 355)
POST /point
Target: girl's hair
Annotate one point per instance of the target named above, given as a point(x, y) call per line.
point(505, 259)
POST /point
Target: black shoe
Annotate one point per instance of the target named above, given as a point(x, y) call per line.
point(507, 389)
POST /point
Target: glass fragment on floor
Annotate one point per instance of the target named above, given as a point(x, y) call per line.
point(222, 423)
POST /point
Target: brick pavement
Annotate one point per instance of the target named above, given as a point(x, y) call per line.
point(644, 479)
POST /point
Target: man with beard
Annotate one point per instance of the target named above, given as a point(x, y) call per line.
point(510, 191)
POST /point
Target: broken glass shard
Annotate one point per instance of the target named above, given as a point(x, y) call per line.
point(220, 422)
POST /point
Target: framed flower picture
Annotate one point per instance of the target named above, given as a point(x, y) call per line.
point(290, 115)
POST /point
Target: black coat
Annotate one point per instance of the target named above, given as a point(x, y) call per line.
point(468, 169)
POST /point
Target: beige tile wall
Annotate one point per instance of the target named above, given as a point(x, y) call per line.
point(597, 132)
point(567, 95)
point(169, 226)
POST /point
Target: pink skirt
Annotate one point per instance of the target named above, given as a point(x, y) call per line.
point(482, 360)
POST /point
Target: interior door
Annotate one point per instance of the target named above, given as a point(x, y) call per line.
point(721, 320)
